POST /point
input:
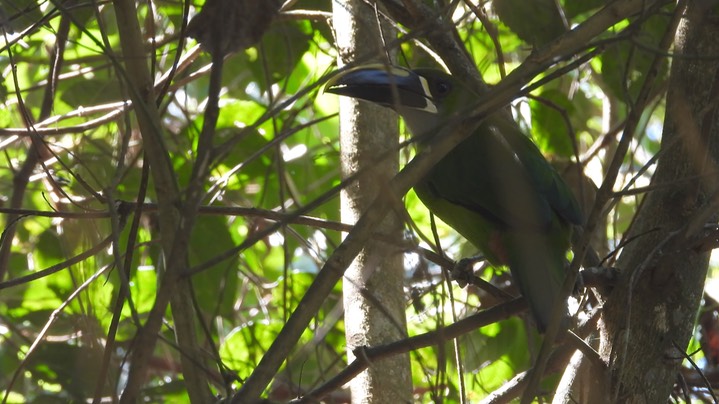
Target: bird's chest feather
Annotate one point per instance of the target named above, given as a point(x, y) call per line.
point(481, 190)
point(474, 226)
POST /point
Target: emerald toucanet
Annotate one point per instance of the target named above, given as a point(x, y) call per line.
point(495, 188)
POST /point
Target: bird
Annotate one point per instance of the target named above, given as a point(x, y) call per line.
point(495, 188)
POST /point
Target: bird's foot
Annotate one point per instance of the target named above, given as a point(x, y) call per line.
point(463, 271)
point(601, 278)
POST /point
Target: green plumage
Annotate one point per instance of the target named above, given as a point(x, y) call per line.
point(495, 188)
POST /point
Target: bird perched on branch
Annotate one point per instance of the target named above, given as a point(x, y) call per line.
point(495, 188)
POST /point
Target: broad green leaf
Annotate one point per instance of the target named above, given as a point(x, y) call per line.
point(86, 92)
point(624, 65)
point(282, 48)
point(550, 113)
point(536, 22)
point(215, 287)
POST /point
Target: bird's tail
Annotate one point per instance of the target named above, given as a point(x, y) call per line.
point(539, 271)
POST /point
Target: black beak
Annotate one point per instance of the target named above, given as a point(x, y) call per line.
point(390, 86)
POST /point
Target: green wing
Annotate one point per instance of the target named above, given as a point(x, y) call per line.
point(503, 178)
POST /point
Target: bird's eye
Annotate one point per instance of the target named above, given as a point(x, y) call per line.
point(443, 88)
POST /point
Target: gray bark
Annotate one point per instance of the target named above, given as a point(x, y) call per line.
point(649, 317)
point(373, 285)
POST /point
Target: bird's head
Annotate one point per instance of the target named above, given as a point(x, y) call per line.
point(425, 98)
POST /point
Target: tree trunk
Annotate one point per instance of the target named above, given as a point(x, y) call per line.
point(649, 316)
point(373, 285)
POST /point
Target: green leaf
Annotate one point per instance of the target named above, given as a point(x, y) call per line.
point(48, 250)
point(536, 22)
point(242, 347)
point(20, 14)
point(549, 125)
point(624, 66)
point(86, 92)
point(573, 8)
point(74, 368)
point(215, 287)
point(283, 46)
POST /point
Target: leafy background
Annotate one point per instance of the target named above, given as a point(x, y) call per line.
point(277, 159)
